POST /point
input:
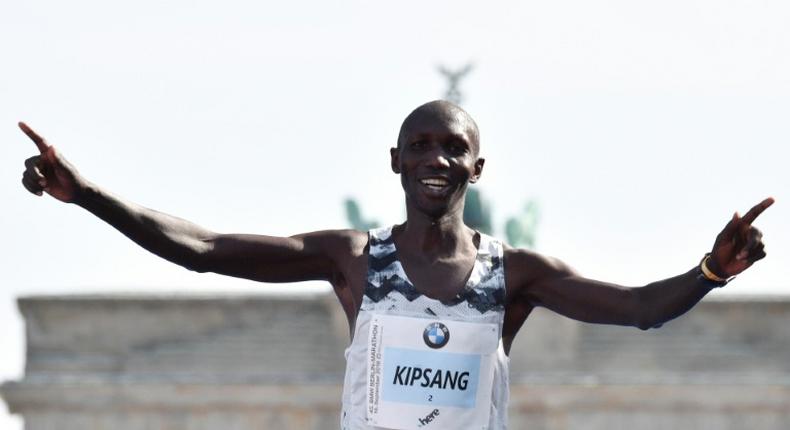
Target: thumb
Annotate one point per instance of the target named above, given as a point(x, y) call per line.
point(731, 228)
point(54, 158)
point(58, 162)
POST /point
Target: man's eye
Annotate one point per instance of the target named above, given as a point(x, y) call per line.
point(418, 144)
point(456, 149)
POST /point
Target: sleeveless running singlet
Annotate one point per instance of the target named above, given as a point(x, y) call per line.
point(420, 363)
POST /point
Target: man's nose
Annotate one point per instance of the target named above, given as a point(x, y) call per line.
point(437, 159)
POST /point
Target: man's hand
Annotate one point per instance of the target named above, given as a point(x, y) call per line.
point(739, 245)
point(49, 171)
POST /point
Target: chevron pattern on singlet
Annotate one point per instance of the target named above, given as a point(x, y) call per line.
point(386, 276)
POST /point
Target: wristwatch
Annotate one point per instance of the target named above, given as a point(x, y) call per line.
point(705, 274)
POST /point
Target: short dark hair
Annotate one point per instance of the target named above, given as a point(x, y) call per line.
point(441, 109)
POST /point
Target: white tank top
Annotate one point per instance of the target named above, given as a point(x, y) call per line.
point(413, 395)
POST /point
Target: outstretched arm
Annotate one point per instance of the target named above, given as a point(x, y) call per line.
point(263, 258)
point(544, 282)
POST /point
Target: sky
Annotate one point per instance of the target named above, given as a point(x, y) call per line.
point(639, 128)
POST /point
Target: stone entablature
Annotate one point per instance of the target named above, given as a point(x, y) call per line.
point(244, 362)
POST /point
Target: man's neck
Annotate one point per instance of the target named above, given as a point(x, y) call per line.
point(435, 237)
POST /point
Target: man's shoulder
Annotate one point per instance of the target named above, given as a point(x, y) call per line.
point(525, 256)
point(347, 242)
point(525, 266)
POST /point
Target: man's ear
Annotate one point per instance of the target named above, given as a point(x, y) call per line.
point(395, 160)
point(478, 170)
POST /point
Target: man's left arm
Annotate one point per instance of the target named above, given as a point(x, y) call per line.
point(549, 283)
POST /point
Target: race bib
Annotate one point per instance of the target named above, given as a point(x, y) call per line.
point(430, 373)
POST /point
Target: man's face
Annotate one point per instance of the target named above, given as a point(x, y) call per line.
point(437, 156)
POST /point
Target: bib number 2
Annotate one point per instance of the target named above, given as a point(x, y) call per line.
point(426, 373)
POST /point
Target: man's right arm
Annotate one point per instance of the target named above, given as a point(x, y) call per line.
point(258, 257)
point(311, 256)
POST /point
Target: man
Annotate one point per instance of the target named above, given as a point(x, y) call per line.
point(433, 306)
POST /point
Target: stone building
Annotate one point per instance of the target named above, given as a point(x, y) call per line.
point(276, 362)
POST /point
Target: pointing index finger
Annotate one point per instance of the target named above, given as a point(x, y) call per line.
point(40, 142)
point(756, 211)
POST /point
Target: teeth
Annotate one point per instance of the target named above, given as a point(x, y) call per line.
point(434, 182)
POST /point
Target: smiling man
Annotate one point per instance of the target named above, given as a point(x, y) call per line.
point(432, 305)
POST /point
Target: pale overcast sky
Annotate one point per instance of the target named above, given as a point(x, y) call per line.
point(638, 126)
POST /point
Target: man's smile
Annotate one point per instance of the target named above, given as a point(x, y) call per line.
point(435, 186)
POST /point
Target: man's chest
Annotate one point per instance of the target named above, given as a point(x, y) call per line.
point(441, 279)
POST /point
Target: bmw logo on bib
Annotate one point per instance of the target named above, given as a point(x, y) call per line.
point(436, 335)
